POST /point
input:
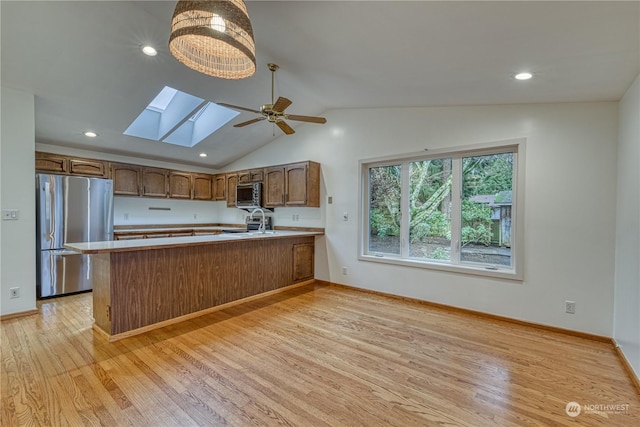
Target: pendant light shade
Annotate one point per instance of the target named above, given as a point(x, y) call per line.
point(214, 38)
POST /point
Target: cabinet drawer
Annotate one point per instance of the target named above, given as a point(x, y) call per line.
point(51, 163)
point(88, 167)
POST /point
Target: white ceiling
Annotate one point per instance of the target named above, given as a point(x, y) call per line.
point(83, 63)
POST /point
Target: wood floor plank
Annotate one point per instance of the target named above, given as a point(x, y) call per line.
point(311, 356)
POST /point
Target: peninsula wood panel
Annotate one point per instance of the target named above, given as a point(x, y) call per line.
point(150, 286)
point(141, 289)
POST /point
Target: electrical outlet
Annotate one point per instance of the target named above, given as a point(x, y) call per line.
point(126, 216)
point(344, 270)
point(195, 216)
point(330, 199)
point(570, 307)
point(14, 292)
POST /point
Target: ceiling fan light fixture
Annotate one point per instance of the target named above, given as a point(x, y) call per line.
point(214, 38)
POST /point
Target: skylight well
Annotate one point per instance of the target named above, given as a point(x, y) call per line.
point(179, 118)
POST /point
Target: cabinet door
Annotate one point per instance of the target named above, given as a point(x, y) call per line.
point(302, 184)
point(249, 176)
point(257, 175)
point(232, 183)
point(155, 182)
point(202, 186)
point(46, 162)
point(303, 261)
point(126, 179)
point(88, 167)
point(180, 185)
point(220, 187)
point(295, 193)
point(244, 177)
point(274, 187)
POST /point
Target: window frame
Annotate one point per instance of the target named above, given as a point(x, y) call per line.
point(514, 272)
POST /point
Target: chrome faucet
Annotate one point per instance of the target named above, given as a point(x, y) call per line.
point(263, 227)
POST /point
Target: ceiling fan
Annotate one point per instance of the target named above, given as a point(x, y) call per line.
point(274, 112)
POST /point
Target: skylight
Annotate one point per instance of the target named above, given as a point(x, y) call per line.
point(179, 118)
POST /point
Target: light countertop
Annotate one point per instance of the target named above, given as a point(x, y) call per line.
point(170, 242)
point(175, 229)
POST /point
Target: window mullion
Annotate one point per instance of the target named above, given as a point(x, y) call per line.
point(406, 211)
point(456, 208)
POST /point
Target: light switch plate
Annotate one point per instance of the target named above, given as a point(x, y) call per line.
point(10, 214)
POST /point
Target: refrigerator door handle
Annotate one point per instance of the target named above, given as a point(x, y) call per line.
point(64, 252)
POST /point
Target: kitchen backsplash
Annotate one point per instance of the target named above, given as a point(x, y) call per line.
point(148, 211)
point(138, 210)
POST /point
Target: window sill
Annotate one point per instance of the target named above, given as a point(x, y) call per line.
point(500, 273)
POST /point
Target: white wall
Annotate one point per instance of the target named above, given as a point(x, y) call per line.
point(569, 203)
point(17, 188)
point(627, 267)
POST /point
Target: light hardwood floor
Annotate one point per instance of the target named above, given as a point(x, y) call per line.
point(312, 356)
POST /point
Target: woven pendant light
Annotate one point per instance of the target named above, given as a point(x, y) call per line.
point(214, 38)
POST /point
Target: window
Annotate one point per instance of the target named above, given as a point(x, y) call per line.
point(453, 210)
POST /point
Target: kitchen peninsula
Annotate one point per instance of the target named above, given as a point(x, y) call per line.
point(139, 285)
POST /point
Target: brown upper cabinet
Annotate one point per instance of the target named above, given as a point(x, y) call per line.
point(46, 162)
point(249, 176)
point(127, 179)
point(232, 184)
point(155, 182)
point(220, 187)
point(296, 184)
point(55, 163)
point(202, 185)
point(180, 185)
point(89, 167)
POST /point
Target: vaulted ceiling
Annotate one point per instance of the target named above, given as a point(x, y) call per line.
point(82, 61)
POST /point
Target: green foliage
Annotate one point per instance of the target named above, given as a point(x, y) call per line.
point(382, 226)
point(476, 223)
point(487, 174)
point(384, 200)
point(439, 253)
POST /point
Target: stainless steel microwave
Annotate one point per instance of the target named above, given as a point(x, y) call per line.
point(249, 195)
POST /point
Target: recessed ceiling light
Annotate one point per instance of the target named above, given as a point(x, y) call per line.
point(203, 154)
point(149, 51)
point(523, 76)
point(90, 134)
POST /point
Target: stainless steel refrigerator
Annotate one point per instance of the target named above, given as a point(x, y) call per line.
point(69, 209)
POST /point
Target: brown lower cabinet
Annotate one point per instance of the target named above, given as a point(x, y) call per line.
point(135, 289)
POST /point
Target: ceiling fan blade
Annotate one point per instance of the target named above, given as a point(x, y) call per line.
point(310, 119)
point(235, 107)
point(281, 104)
point(285, 127)
point(249, 122)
